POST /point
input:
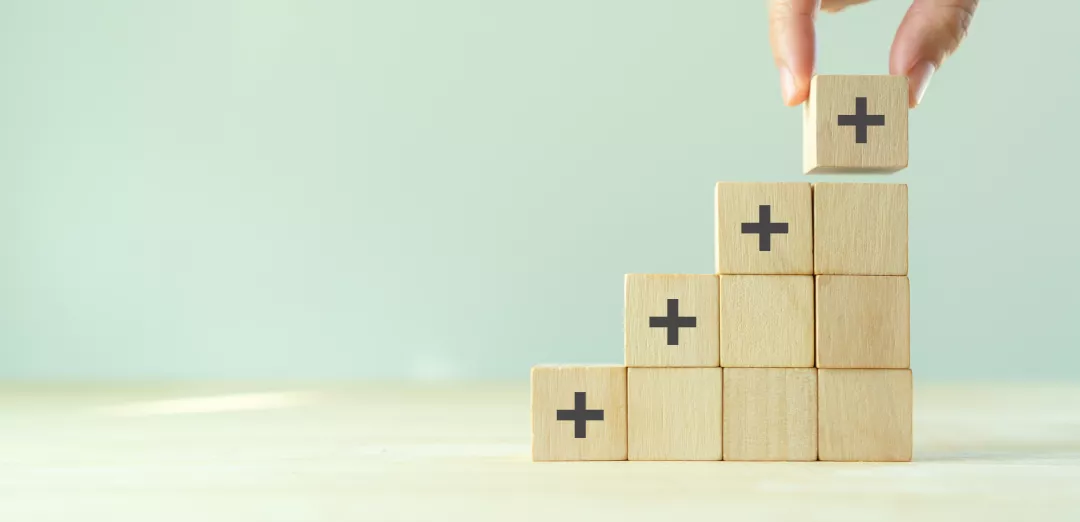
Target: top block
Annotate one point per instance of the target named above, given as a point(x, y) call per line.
point(856, 124)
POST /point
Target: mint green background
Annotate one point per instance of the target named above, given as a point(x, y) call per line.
point(426, 189)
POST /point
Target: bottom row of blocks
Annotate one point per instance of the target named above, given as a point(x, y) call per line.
point(787, 414)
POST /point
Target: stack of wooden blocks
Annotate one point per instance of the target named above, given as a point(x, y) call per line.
point(797, 348)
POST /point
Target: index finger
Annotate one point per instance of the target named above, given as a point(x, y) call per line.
point(791, 33)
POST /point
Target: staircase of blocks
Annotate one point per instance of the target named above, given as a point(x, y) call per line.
point(797, 348)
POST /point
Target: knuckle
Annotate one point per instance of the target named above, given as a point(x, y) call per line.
point(954, 21)
point(783, 10)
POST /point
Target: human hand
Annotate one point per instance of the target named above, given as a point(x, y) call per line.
point(929, 33)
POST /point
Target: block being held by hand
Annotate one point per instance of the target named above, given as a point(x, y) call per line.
point(856, 124)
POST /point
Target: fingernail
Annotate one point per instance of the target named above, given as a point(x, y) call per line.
point(787, 85)
point(918, 80)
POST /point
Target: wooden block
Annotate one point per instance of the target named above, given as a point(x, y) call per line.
point(864, 415)
point(578, 413)
point(674, 413)
point(764, 228)
point(766, 321)
point(863, 322)
point(856, 124)
point(672, 320)
point(770, 414)
point(860, 229)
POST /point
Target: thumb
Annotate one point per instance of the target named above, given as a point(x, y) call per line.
point(930, 32)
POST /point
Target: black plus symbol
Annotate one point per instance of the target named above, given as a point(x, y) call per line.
point(860, 120)
point(764, 228)
point(672, 322)
point(579, 415)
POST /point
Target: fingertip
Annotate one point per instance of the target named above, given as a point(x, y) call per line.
point(918, 80)
point(788, 89)
point(792, 37)
point(793, 89)
point(796, 100)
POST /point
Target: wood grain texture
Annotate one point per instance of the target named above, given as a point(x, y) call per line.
point(674, 413)
point(860, 228)
point(770, 414)
point(766, 321)
point(554, 388)
point(741, 253)
point(829, 147)
point(864, 415)
point(863, 322)
point(647, 296)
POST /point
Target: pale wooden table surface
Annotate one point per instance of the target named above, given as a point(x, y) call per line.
point(454, 452)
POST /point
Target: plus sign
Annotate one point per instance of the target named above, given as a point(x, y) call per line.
point(860, 120)
point(579, 415)
point(672, 322)
point(764, 228)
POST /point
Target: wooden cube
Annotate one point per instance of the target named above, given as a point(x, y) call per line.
point(674, 413)
point(578, 413)
point(856, 124)
point(766, 321)
point(672, 321)
point(764, 228)
point(863, 322)
point(770, 414)
point(864, 415)
point(860, 229)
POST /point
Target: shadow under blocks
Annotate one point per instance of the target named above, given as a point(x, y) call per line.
point(797, 348)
